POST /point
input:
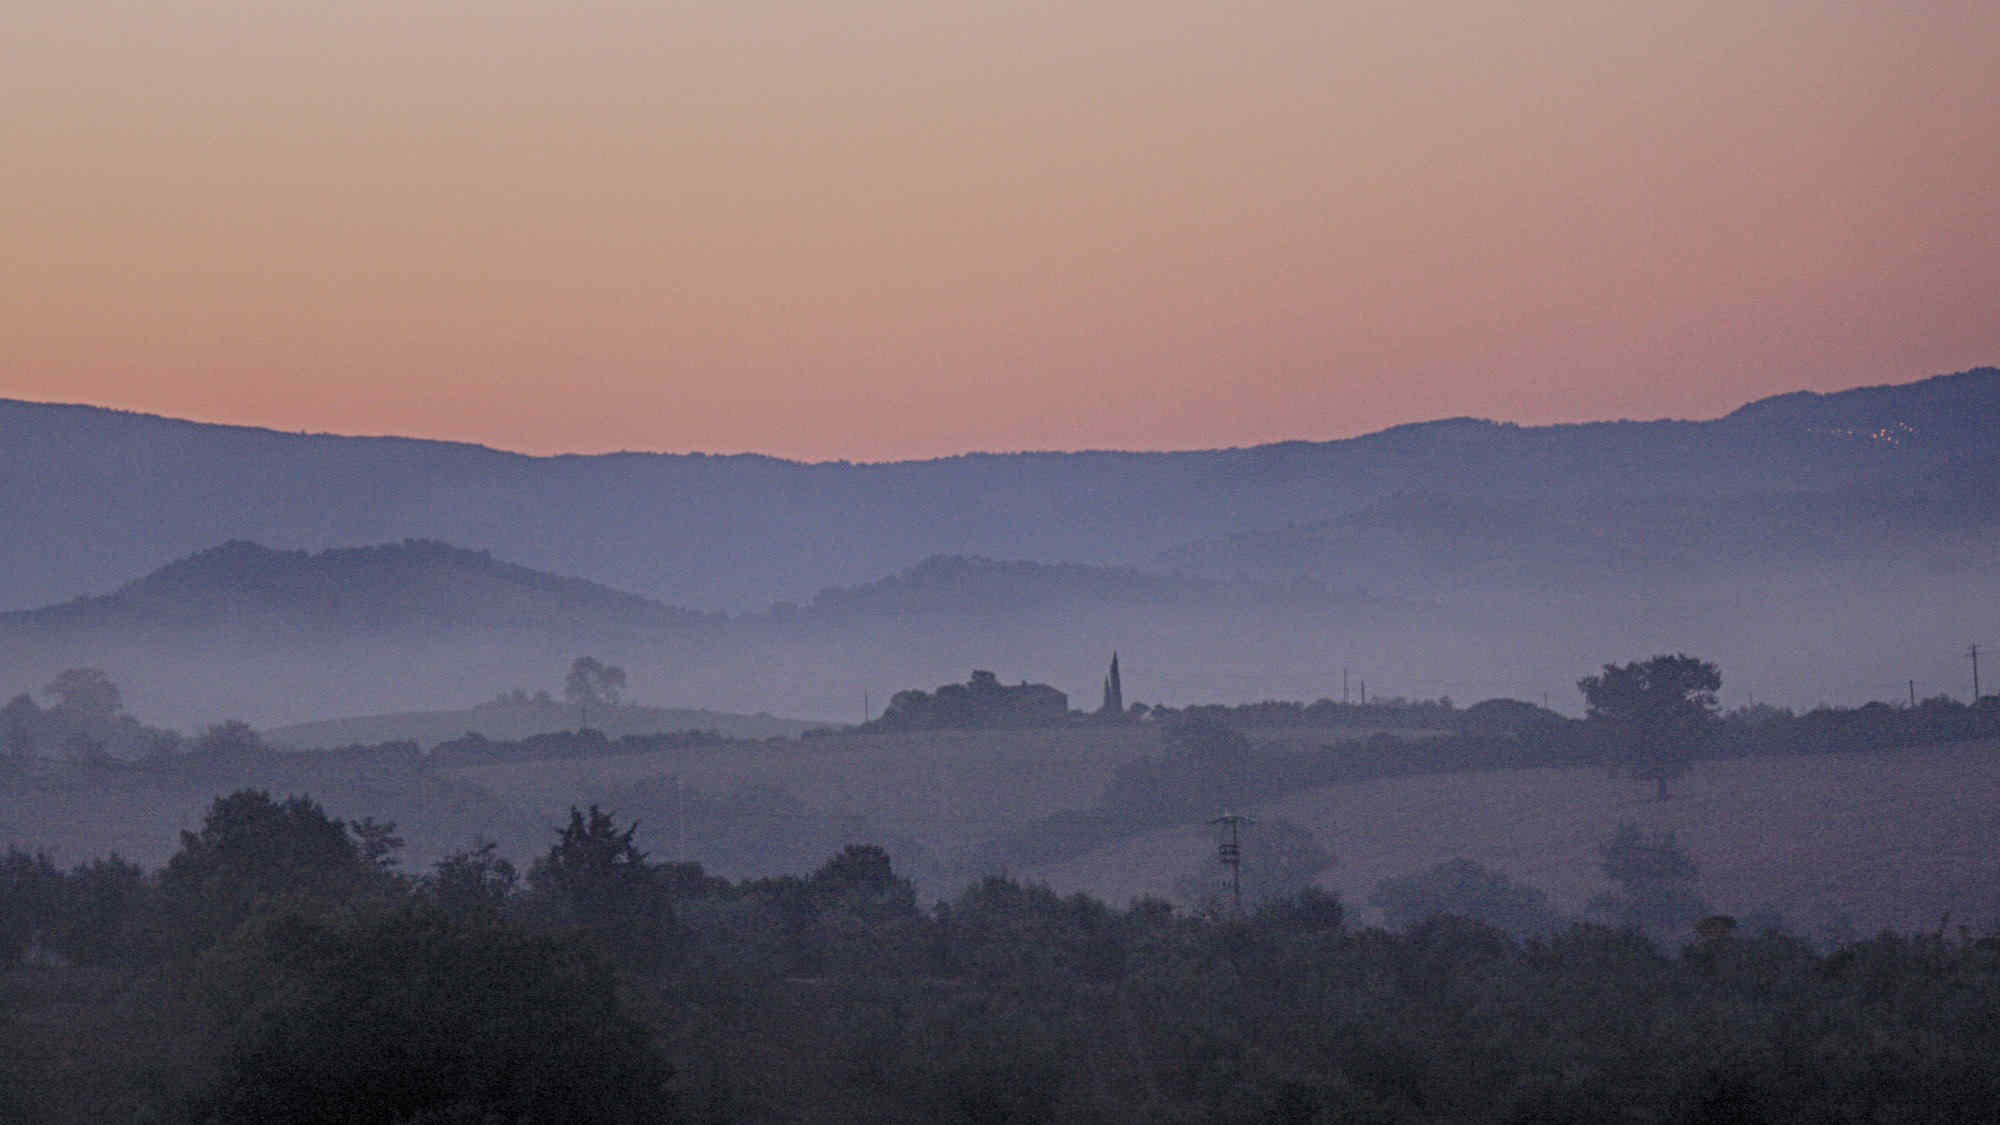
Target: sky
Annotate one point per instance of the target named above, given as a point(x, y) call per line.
point(885, 229)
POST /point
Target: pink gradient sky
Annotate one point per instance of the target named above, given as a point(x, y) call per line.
point(893, 228)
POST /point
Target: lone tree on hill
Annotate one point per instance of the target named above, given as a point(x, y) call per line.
point(1654, 715)
point(591, 682)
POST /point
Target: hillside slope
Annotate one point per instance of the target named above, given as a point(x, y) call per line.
point(1897, 839)
point(508, 720)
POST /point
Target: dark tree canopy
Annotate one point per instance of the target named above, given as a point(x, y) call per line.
point(253, 850)
point(472, 882)
point(1468, 890)
point(861, 880)
point(1653, 715)
point(417, 1016)
point(598, 878)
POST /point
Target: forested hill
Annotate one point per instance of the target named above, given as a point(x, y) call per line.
point(413, 586)
point(95, 496)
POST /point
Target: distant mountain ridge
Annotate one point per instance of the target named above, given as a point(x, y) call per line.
point(1414, 536)
point(95, 496)
point(1818, 547)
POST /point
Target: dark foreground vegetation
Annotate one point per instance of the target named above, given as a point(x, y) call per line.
point(280, 968)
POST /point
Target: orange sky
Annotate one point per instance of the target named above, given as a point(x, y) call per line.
point(891, 228)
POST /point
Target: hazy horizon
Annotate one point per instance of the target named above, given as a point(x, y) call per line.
point(888, 231)
point(1721, 411)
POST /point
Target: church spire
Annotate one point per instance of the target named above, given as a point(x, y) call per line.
point(1114, 692)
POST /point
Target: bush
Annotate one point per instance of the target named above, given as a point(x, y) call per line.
point(1466, 889)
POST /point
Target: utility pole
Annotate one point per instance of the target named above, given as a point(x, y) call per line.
point(1343, 686)
point(680, 821)
point(1913, 695)
point(1231, 854)
point(1973, 652)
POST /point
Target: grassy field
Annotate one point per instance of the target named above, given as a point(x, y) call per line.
point(1888, 839)
point(940, 787)
point(508, 721)
point(944, 788)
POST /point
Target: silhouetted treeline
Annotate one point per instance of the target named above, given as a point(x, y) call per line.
point(281, 967)
point(981, 701)
point(477, 749)
point(1872, 726)
point(84, 723)
point(1746, 732)
point(1420, 714)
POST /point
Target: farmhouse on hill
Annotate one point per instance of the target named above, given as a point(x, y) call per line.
point(982, 701)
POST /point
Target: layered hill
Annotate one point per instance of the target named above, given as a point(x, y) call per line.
point(245, 631)
point(289, 637)
point(1947, 517)
point(1818, 547)
point(96, 496)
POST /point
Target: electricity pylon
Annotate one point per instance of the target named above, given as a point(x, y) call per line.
point(1231, 854)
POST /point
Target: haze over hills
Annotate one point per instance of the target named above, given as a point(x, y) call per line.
point(960, 584)
point(1819, 547)
point(243, 630)
point(98, 496)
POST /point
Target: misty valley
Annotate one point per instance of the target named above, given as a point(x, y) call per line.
point(1461, 772)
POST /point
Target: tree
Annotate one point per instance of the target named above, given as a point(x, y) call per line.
point(30, 901)
point(472, 882)
point(1653, 716)
point(232, 737)
point(86, 693)
point(18, 720)
point(251, 851)
point(861, 880)
point(81, 747)
point(1469, 890)
point(1281, 860)
point(597, 878)
point(591, 682)
point(378, 843)
point(1655, 880)
point(420, 1016)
